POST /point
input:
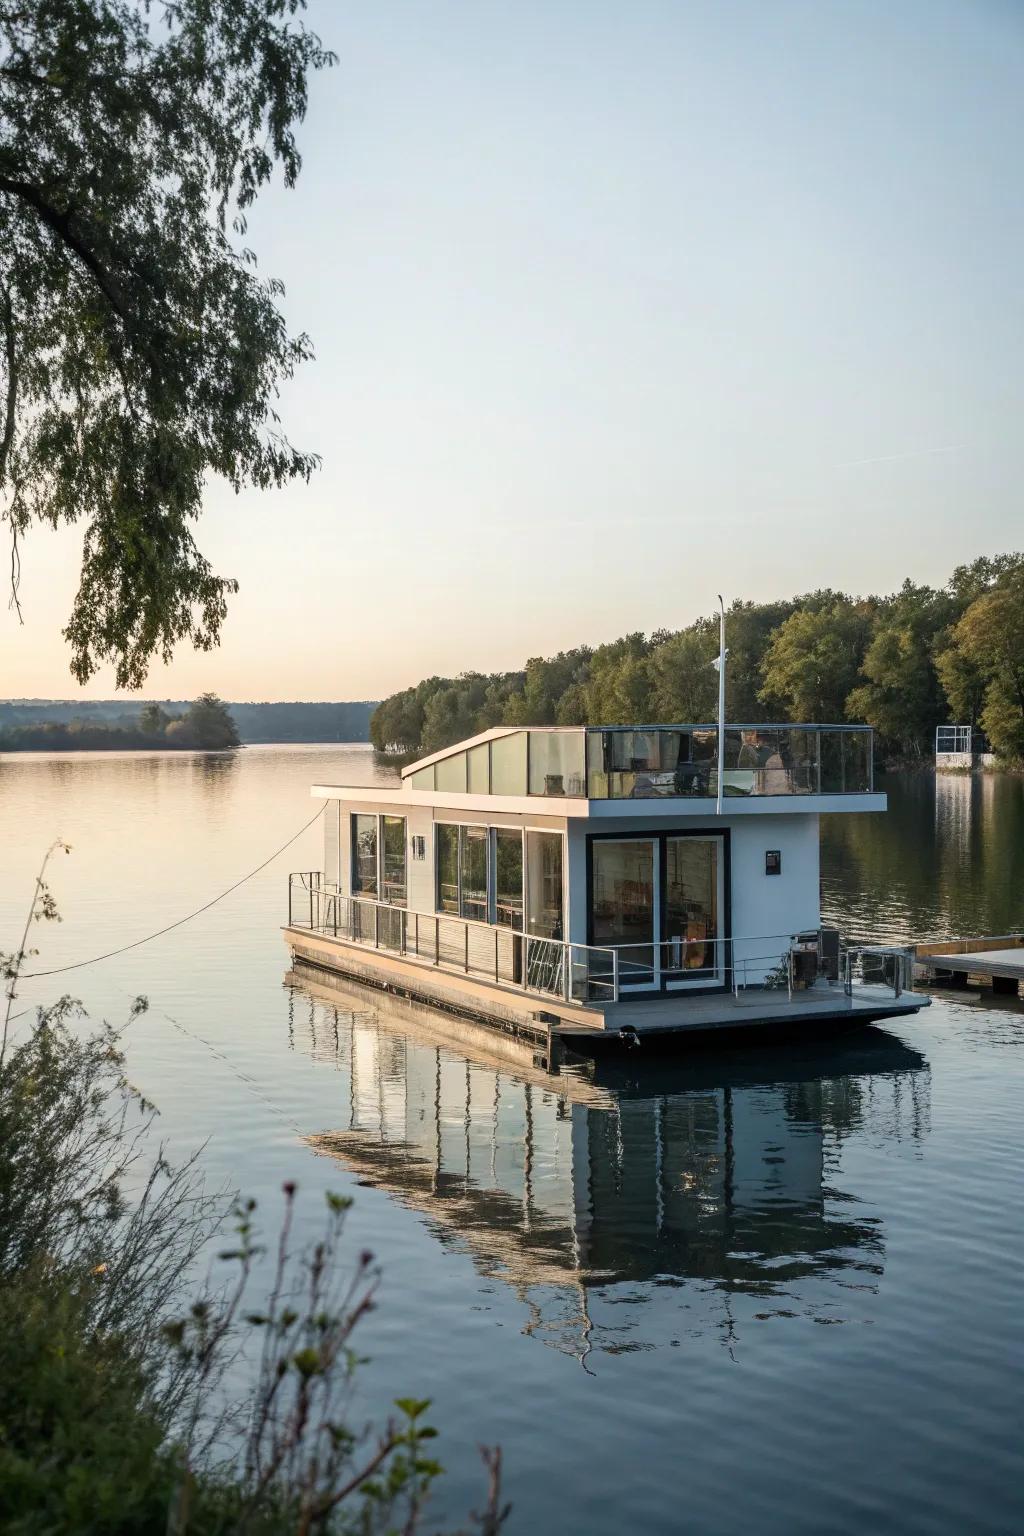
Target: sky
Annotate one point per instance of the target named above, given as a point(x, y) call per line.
point(615, 307)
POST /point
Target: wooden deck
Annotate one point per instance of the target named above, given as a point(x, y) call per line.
point(998, 960)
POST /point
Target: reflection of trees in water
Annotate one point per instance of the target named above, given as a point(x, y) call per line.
point(719, 1181)
point(941, 862)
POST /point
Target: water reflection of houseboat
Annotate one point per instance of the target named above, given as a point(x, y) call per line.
point(564, 1188)
point(602, 884)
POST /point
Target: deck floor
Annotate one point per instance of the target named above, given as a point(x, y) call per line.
point(979, 962)
point(723, 1010)
point(681, 1012)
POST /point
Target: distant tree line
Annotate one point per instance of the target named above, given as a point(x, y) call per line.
point(290, 721)
point(206, 725)
point(904, 664)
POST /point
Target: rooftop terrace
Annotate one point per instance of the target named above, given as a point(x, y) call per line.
point(652, 762)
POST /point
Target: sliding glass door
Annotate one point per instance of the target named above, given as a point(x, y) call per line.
point(624, 901)
point(690, 920)
point(658, 901)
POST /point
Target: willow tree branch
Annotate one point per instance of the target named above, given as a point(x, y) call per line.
point(61, 225)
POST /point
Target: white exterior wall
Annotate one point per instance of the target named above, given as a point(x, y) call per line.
point(420, 872)
point(763, 907)
point(761, 904)
point(332, 812)
point(767, 905)
point(954, 760)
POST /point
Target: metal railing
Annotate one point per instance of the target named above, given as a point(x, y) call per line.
point(589, 973)
point(953, 738)
point(578, 973)
point(889, 967)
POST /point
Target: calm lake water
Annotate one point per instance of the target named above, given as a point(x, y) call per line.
point(775, 1291)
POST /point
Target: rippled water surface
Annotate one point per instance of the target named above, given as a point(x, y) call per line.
point(776, 1290)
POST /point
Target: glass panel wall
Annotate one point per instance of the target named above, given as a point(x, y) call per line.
point(622, 910)
point(845, 762)
point(450, 773)
point(479, 769)
point(508, 764)
point(759, 760)
point(557, 763)
point(660, 762)
point(640, 765)
point(447, 854)
point(393, 844)
point(462, 871)
point(544, 882)
point(508, 878)
point(364, 856)
point(690, 907)
point(473, 873)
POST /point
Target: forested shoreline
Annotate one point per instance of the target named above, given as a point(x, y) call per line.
point(206, 725)
point(903, 664)
point(51, 725)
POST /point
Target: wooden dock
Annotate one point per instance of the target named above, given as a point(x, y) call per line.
point(998, 960)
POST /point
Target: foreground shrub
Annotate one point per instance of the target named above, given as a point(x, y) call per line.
point(116, 1414)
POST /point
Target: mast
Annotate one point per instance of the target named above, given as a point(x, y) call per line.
point(721, 701)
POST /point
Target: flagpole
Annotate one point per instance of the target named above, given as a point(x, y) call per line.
point(721, 702)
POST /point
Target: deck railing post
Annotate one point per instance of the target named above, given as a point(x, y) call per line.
point(437, 941)
point(615, 975)
point(376, 927)
point(465, 930)
point(495, 956)
point(311, 924)
point(567, 968)
point(290, 923)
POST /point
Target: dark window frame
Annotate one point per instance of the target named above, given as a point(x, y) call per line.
point(660, 836)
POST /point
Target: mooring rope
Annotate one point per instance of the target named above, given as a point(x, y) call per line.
point(110, 953)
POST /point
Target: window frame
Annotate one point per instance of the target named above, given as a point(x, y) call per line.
point(379, 818)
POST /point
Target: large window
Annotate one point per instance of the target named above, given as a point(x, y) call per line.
point(473, 873)
point(462, 871)
point(393, 844)
point(622, 904)
point(364, 856)
point(545, 917)
point(691, 904)
point(447, 853)
point(508, 878)
point(378, 858)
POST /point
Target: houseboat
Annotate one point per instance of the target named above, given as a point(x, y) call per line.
point(602, 886)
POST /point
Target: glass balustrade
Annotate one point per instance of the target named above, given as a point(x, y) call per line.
point(659, 762)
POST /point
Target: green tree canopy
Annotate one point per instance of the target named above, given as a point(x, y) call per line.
point(814, 658)
point(988, 642)
point(900, 662)
point(140, 352)
point(902, 695)
point(207, 724)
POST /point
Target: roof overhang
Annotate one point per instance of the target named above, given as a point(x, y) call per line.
point(603, 810)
